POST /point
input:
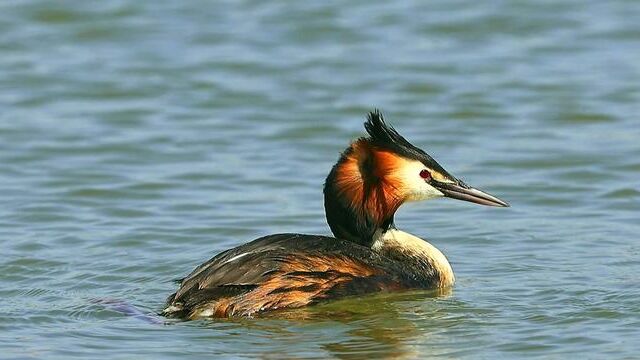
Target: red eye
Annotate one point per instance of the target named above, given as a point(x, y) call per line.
point(425, 174)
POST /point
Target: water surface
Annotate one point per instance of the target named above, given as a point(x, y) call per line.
point(138, 139)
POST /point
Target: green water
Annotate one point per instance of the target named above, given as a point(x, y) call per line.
point(138, 139)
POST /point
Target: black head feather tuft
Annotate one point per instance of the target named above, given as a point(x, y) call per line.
point(385, 136)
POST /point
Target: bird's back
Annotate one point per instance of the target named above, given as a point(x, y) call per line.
point(286, 271)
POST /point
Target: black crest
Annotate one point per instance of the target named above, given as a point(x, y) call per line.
point(385, 136)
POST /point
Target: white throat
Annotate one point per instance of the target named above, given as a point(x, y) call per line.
point(401, 243)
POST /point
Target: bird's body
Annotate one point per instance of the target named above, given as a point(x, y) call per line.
point(372, 178)
point(293, 270)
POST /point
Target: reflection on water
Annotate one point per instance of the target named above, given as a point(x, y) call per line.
point(382, 325)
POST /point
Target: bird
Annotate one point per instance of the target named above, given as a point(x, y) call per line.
point(368, 254)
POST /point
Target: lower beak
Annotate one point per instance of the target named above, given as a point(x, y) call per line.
point(463, 192)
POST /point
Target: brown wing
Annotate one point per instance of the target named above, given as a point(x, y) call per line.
point(282, 271)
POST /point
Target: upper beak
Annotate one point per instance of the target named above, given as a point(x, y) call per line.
point(462, 191)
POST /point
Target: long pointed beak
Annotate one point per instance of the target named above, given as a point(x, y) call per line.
point(461, 191)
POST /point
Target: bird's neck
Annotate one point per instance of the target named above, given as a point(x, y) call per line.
point(414, 251)
point(360, 207)
point(359, 194)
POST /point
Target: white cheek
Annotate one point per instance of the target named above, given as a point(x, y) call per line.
point(417, 188)
point(423, 191)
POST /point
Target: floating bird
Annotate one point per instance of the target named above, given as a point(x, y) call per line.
point(373, 177)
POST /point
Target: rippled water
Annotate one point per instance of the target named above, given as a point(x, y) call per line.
point(138, 139)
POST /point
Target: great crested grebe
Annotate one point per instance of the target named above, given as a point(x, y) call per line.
point(372, 178)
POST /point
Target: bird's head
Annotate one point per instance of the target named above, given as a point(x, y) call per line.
point(377, 174)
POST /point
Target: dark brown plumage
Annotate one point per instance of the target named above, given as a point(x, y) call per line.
point(288, 271)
